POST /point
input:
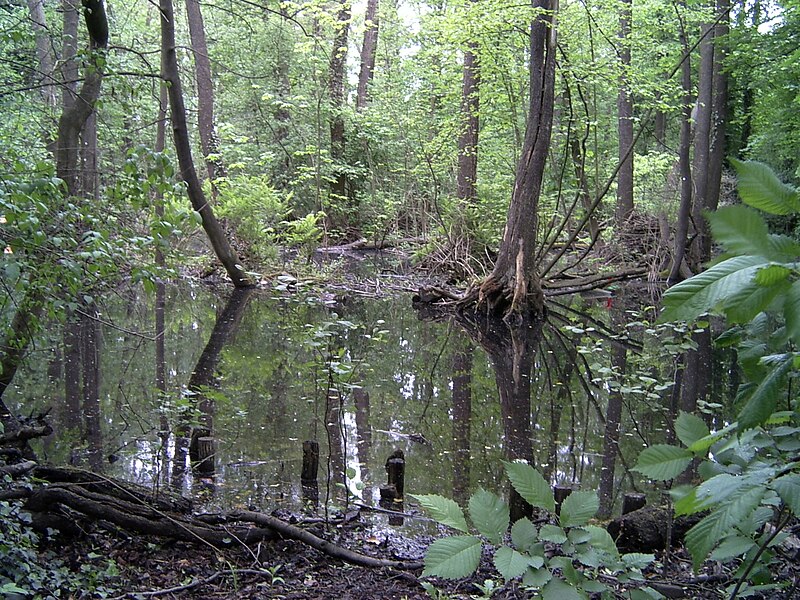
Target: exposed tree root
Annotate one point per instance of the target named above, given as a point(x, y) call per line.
point(134, 509)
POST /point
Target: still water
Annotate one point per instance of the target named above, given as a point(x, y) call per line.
point(259, 373)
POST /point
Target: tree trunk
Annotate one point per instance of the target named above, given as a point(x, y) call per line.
point(368, 51)
point(336, 91)
point(44, 53)
point(183, 148)
point(625, 119)
point(684, 168)
point(462, 415)
point(514, 287)
point(468, 133)
point(69, 51)
point(209, 142)
point(702, 146)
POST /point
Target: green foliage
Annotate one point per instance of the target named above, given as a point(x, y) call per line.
point(749, 467)
point(558, 560)
point(26, 570)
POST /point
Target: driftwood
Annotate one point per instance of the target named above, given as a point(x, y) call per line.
point(646, 529)
point(18, 469)
point(80, 493)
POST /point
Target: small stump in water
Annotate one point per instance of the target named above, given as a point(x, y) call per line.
point(206, 449)
point(396, 472)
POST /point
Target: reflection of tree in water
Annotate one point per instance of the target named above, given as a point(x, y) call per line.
point(204, 378)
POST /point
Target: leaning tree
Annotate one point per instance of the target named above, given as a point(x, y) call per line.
point(513, 288)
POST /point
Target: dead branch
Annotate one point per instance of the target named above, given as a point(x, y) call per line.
point(18, 469)
point(23, 434)
point(285, 530)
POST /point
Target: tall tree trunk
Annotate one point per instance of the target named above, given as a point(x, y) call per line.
point(336, 90)
point(625, 119)
point(44, 53)
point(514, 287)
point(90, 351)
point(462, 415)
point(684, 167)
point(467, 176)
point(183, 148)
point(209, 142)
point(702, 146)
point(368, 51)
point(69, 52)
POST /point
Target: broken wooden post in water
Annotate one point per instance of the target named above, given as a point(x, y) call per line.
point(308, 474)
point(560, 493)
point(206, 449)
point(633, 501)
point(396, 471)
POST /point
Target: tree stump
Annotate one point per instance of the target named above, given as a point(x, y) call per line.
point(206, 449)
point(396, 471)
point(633, 501)
point(561, 493)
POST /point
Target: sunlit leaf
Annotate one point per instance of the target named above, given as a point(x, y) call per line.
point(489, 514)
point(760, 188)
point(690, 428)
point(453, 557)
point(578, 508)
point(663, 462)
point(530, 484)
point(443, 510)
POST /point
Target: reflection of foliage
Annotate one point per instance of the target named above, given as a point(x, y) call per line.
point(750, 467)
point(544, 557)
point(28, 571)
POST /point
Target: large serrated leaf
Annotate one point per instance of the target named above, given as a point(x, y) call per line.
point(760, 188)
point(510, 563)
point(791, 312)
point(536, 578)
point(705, 291)
point(552, 533)
point(637, 560)
point(732, 546)
point(555, 589)
point(489, 514)
point(453, 558)
point(702, 538)
point(740, 230)
point(690, 428)
point(751, 299)
point(765, 397)
point(524, 534)
point(663, 462)
point(602, 541)
point(443, 510)
point(578, 508)
point(788, 488)
point(530, 484)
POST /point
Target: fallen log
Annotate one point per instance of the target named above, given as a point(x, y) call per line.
point(646, 529)
point(18, 469)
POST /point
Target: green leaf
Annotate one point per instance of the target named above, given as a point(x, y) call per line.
point(760, 188)
point(578, 508)
point(690, 428)
point(453, 558)
point(602, 540)
point(637, 560)
point(490, 515)
point(791, 312)
point(530, 484)
point(788, 488)
point(552, 533)
point(510, 563)
point(751, 299)
point(663, 462)
point(706, 291)
point(443, 510)
point(524, 534)
point(702, 538)
point(731, 546)
point(555, 589)
point(740, 230)
point(772, 274)
point(765, 397)
point(536, 577)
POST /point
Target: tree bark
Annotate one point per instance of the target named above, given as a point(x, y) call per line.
point(462, 415)
point(625, 119)
point(44, 53)
point(183, 149)
point(467, 176)
point(513, 289)
point(209, 142)
point(369, 50)
point(684, 168)
point(336, 82)
point(702, 146)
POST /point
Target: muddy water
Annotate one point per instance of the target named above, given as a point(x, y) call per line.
point(254, 375)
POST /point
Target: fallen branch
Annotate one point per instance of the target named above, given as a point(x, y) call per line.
point(287, 531)
point(18, 469)
point(24, 434)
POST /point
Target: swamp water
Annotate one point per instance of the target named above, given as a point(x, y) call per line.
point(260, 372)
